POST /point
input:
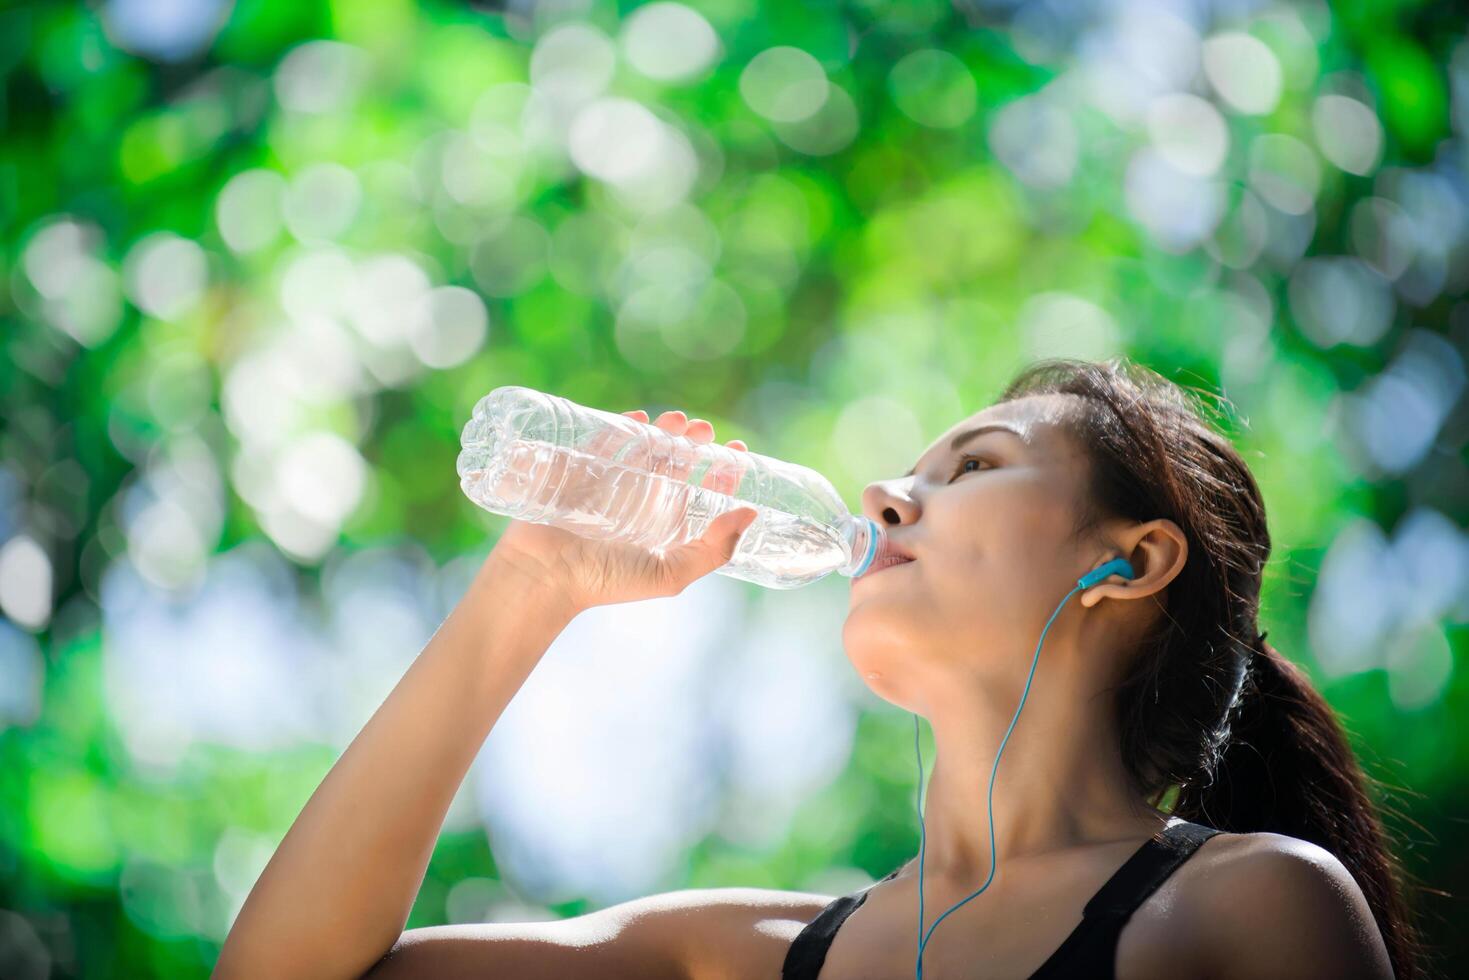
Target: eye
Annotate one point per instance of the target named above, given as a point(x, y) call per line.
point(964, 461)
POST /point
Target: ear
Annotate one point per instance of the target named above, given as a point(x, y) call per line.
point(1157, 552)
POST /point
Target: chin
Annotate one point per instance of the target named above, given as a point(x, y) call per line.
point(884, 680)
point(875, 645)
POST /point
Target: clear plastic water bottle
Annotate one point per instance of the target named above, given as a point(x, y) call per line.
point(541, 458)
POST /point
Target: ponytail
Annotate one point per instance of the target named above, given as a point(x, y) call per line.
point(1287, 768)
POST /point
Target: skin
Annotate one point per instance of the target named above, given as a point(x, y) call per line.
point(334, 898)
point(951, 636)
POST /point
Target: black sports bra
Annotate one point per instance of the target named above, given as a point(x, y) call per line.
point(1090, 950)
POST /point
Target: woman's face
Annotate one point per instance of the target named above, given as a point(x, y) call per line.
point(987, 518)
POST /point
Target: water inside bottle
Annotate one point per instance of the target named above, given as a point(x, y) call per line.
point(602, 498)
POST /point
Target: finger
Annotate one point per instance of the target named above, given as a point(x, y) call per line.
point(736, 473)
point(610, 440)
point(620, 436)
point(674, 422)
point(700, 431)
point(731, 474)
point(624, 443)
point(722, 476)
point(713, 549)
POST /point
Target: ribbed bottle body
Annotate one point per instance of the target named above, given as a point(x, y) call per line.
point(541, 458)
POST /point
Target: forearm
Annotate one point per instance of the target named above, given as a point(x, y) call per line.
point(337, 893)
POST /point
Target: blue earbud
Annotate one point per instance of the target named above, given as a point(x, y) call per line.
point(1117, 566)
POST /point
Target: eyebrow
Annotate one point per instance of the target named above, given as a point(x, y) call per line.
point(964, 437)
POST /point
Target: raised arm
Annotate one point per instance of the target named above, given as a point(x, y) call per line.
point(335, 896)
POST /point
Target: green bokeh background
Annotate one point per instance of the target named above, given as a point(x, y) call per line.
point(256, 272)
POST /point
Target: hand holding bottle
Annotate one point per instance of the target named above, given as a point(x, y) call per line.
point(598, 572)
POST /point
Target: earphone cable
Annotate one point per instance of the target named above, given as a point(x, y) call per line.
point(923, 835)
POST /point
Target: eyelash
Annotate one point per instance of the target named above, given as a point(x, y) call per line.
point(959, 469)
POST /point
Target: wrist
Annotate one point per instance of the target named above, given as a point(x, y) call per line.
point(512, 583)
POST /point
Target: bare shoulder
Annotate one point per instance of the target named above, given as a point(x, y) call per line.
point(1270, 905)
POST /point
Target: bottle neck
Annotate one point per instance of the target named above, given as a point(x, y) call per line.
point(863, 538)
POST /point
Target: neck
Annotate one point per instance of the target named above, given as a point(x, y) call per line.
point(1060, 784)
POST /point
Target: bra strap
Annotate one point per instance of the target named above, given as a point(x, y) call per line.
point(1148, 868)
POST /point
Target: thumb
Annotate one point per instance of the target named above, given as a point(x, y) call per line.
point(712, 549)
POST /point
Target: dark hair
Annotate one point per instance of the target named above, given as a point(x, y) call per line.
point(1208, 710)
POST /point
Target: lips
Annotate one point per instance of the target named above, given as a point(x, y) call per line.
point(893, 553)
point(886, 562)
point(895, 549)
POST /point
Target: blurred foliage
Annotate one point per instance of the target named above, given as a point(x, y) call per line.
point(261, 258)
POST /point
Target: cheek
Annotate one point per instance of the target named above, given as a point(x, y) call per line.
point(987, 529)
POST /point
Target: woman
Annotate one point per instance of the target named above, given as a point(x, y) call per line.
point(1271, 861)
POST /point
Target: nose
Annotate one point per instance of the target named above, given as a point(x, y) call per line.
point(888, 501)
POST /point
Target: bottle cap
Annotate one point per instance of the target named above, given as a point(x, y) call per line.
point(871, 532)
